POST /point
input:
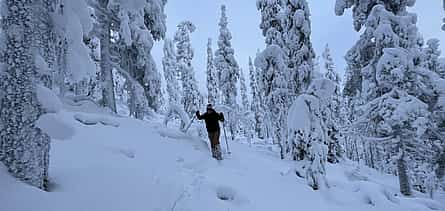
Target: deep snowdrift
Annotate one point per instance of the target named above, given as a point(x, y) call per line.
point(120, 164)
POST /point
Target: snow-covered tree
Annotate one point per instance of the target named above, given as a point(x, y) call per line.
point(317, 68)
point(331, 111)
point(247, 123)
point(385, 73)
point(286, 23)
point(307, 132)
point(430, 56)
point(212, 77)
point(175, 110)
point(287, 29)
point(26, 154)
point(105, 17)
point(191, 98)
point(297, 43)
point(275, 94)
point(45, 41)
point(401, 122)
point(256, 101)
point(170, 72)
point(243, 92)
point(225, 63)
point(329, 66)
point(228, 70)
point(127, 32)
point(139, 30)
point(63, 60)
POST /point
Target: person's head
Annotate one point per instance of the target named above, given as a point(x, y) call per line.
point(209, 108)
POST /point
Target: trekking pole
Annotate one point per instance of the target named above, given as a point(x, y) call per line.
point(190, 124)
point(227, 143)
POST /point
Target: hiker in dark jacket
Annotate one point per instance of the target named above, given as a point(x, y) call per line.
point(212, 118)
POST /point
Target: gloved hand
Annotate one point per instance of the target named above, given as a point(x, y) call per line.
point(197, 113)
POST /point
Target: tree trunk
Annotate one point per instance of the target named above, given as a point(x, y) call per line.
point(26, 154)
point(371, 158)
point(405, 186)
point(440, 171)
point(106, 67)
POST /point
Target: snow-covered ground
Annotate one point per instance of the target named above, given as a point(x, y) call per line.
point(110, 163)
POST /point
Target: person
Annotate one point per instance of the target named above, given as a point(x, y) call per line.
point(212, 118)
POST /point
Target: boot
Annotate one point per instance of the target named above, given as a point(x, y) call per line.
point(218, 154)
point(214, 152)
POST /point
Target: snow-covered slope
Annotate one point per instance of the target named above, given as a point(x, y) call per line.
point(118, 164)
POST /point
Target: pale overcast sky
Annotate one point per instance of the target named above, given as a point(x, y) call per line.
point(247, 38)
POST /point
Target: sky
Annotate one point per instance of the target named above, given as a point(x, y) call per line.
point(244, 19)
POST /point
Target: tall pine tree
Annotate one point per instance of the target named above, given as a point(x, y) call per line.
point(243, 92)
point(170, 72)
point(287, 29)
point(191, 98)
point(212, 78)
point(331, 112)
point(228, 71)
point(256, 101)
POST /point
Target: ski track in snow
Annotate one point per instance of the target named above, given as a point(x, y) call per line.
point(142, 165)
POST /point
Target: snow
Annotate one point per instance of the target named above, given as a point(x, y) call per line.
point(75, 23)
point(144, 165)
point(130, 5)
point(42, 66)
point(48, 100)
point(54, 127)
point(299, 113)
point(88, 119)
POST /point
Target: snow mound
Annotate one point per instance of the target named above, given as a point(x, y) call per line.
point(83, 104)
point(92, 120)
point(54, 127)
point(48, 100)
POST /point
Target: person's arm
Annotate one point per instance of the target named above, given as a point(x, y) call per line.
point(221, 117)
point(199, 116)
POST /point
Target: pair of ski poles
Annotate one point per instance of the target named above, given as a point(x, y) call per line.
point(224, 128)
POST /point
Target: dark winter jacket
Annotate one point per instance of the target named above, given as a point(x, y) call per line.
point(211, 118)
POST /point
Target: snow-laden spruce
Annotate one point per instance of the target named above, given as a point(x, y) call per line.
point(308, 131)
point(139, 27)
point(331, 109)
point(329, 66)
point(243, 91)
point(256, 102)
point(394, 77)
point(171, 72)
point(227, 69)
point(286, 27)
point(430, 57)
point(213, 95)
point(287, 24)
point(171, 76)
point(191, 97)
point(139, 24)
point(272, 81)
point(247, 116)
